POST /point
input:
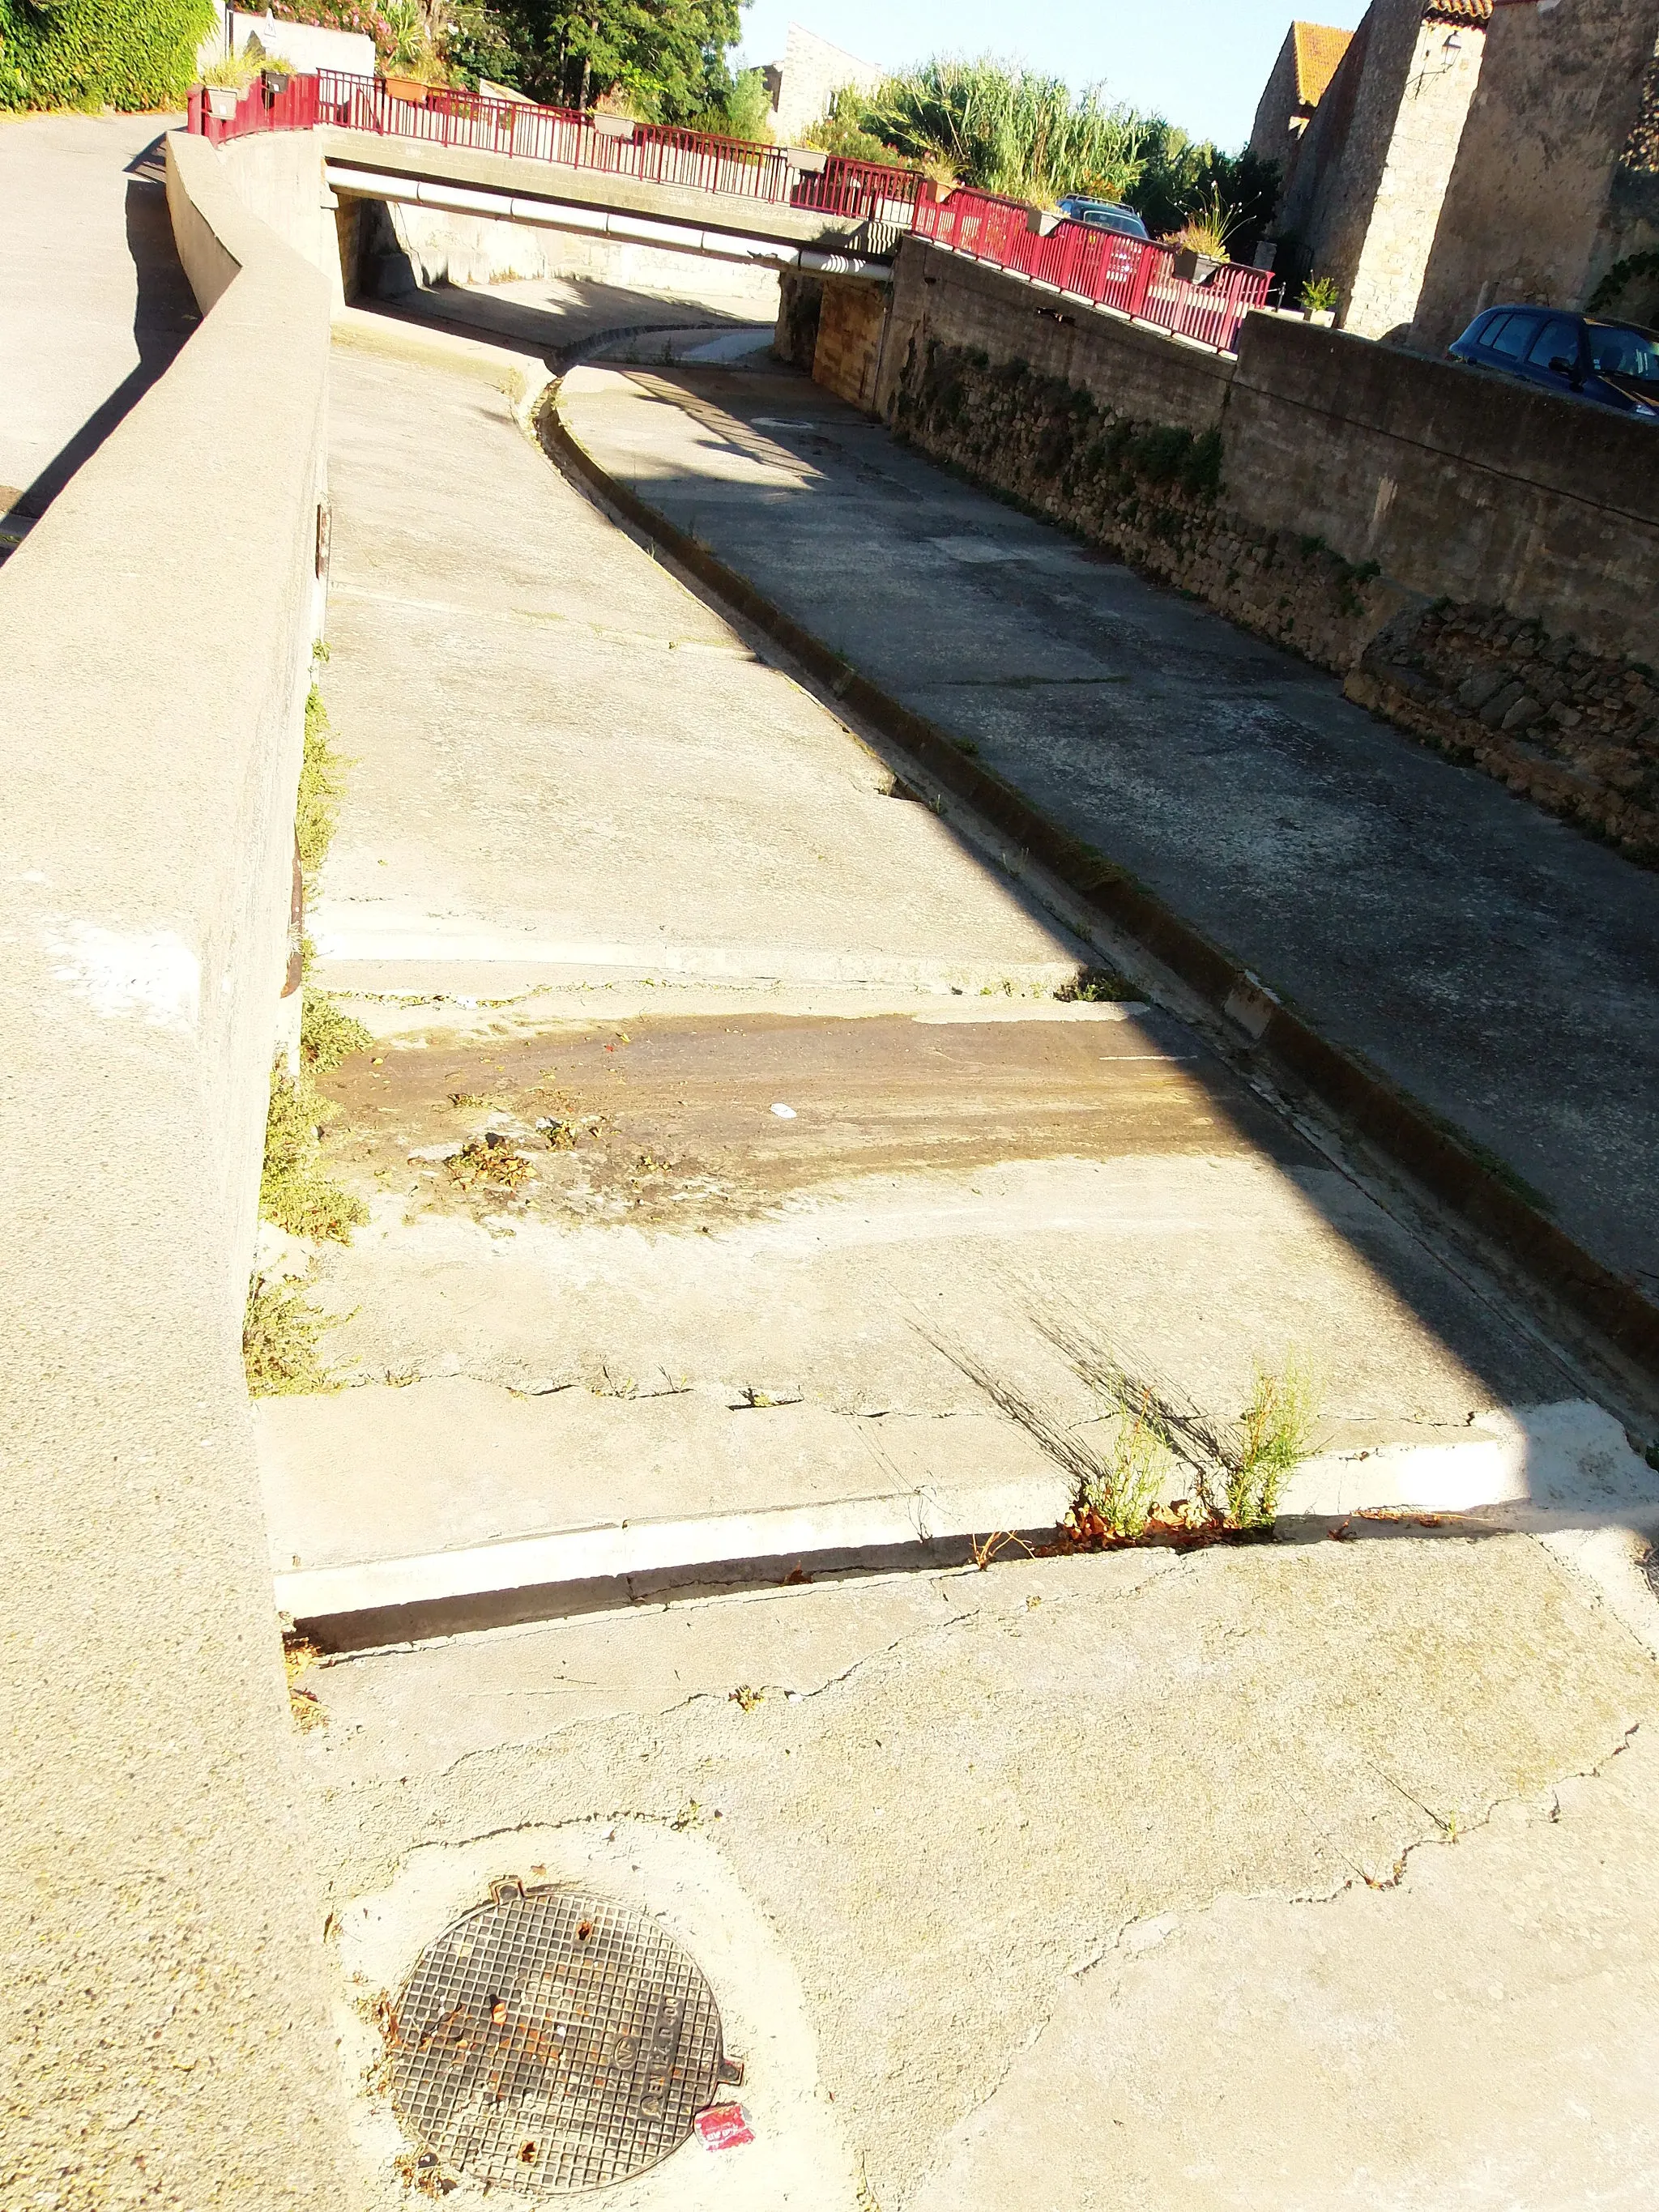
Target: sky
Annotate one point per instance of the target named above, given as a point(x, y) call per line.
point(1200, 63)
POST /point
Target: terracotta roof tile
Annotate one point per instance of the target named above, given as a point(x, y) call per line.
point(1318, 51)
point(1458, 11)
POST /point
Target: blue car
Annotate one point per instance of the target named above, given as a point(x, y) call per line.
point(1615, 364)
point(1104, 215)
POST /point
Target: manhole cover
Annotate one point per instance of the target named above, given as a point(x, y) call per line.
point(553, 2042)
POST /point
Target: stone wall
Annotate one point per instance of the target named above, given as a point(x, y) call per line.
point(1335, 497)
point(847, 351)
point(1560, 95)
point(1366, 184)
point(162, 2014)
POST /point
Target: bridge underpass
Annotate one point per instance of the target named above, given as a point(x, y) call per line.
point(678, 218)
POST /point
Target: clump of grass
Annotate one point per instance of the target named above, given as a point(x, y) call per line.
point(1275, 1434)
point(1124, 1487)
point(280, 1330)
point(237, 70)
point(295, 1193)
point(1094, 985)
point(328, 1036)
point(322, 786)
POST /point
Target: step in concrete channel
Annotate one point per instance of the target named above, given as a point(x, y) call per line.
point(493, 1495)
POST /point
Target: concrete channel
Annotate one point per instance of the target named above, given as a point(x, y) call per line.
point(674, 1459)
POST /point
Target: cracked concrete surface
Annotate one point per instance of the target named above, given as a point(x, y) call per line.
point(1122, 1879)
point(956, 1792)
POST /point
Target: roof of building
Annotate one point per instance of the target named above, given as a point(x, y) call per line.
point(1458, 11)
point(1318, 49)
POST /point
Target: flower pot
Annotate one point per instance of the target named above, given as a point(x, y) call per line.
point(807, 160)
point(223, 101)
point(1325, 317)
point(407, 88)
point(614, 126)
point(1192, 267)
point(1040, 221)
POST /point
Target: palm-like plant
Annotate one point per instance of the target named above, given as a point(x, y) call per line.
point(1005, 130)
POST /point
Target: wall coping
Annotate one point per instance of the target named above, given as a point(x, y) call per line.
point(165, 1997)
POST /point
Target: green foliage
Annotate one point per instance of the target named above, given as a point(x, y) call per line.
point(327, 1035)
point(1275, 1435)
point(1004, 129)
point(322, 786)
point(742, 110)
point(238, 71)
point(663, 61)
point(1001, 128)
point(280, 1330)
point(841, 133)
point(295, 1193)
point(1123, 1486)
point(1319, 295)
point(128, 54)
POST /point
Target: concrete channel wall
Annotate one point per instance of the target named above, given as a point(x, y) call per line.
point(163, 2007)
point(1479, 561)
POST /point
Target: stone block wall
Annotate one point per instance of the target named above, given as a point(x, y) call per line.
point(847, 348)
point(1561, 96)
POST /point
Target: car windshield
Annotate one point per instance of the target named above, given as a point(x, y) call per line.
point(1123, 219)
point(1619, 352)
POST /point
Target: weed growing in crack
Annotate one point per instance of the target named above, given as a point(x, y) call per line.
point(1274, 1436)
point(322, 786)
point(1094, 986)
point(1132, 1475)
point(294, 1191)
point(327, 1035)
point(280, 1330)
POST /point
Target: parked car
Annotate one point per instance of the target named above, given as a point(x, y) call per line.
point(1615, 364)
point(1105, 214)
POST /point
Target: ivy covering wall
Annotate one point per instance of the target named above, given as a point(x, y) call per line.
point(131, 54)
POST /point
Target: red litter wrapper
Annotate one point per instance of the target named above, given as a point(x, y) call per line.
point(724, 2127)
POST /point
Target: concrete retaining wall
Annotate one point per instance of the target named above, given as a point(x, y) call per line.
point(162, 2003)
point(405, 246)
point(1329, 493)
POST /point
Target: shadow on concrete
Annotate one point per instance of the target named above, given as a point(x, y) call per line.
point(164, 317)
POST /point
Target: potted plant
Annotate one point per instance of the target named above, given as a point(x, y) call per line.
point(1043, 217)
point(1319, 301)
point(806, 160)
point(412, 65)
point(612, 126)
point(224, 82)
point(1201, 244)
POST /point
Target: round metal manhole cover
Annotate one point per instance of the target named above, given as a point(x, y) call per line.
point(552, 2042)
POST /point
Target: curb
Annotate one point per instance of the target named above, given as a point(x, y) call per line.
point(1387, 1116)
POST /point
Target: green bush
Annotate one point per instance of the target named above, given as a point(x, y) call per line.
point(130, 54)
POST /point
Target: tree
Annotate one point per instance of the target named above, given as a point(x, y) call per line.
point(664, 60)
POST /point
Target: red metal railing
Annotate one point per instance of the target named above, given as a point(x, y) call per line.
point(651, 153)
point(274, 103)
point(1129, 274)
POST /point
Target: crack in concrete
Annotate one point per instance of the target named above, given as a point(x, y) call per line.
point(1115, 1944)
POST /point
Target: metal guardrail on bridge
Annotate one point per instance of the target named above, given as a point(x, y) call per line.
point(1132, 275)
point(648, 153)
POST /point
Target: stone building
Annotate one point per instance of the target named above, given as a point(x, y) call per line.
point(1555, 194)
point(1364, 188)
point(1307, 62)
point(807, 79)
